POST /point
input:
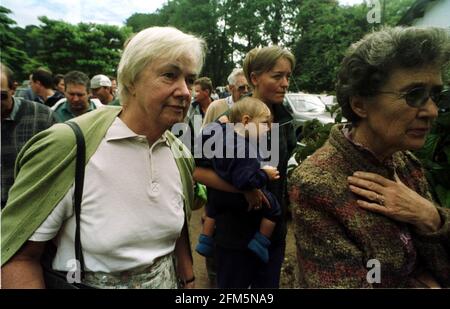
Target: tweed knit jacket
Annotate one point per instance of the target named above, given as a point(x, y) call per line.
point(336, 239)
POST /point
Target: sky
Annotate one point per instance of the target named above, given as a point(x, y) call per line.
point(114, 12)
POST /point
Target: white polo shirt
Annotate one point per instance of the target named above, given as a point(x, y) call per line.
point(132, 209)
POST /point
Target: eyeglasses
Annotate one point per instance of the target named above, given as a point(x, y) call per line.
point(243, 88)
point(5, 95)
point(419, 96)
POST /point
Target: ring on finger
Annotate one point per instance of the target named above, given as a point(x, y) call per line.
point(380, 199)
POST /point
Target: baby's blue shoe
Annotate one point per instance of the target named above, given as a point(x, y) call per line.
point(205, 245)
point(259, 245)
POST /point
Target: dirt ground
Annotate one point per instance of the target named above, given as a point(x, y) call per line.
point(288, 271)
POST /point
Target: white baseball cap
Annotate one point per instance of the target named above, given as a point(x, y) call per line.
point(100, 81)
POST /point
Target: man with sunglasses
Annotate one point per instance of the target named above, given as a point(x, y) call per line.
point(21, 120)
point(364, 213)
point(238, 86)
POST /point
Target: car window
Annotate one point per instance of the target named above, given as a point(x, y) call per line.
point(306, 103)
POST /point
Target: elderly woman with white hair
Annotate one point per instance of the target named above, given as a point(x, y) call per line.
point(138, 190)
point(364, 215)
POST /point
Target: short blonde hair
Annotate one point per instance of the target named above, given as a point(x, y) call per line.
point(260, 60)
point(156, 43)
point(248, 106)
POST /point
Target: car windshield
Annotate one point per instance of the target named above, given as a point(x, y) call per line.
point(306, 103)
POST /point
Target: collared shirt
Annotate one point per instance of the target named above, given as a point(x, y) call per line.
point(16, 105)
point(229, 101)
point(132, 206)
point(195, 109)
point(26, 119)
point(64, 112)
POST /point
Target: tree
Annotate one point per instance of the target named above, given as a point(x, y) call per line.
point(394, 10)
point(230, 28)
point(89, 48)
point(11, 53)
point(199, 17)
point(139, 21)
point(325, 30)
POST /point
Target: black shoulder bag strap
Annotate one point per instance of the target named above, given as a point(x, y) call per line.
point(79, 183)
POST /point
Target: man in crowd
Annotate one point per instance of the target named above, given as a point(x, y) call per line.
point(42, 84)
point(113, 86)
point(101, 87)
point(238, 86)
point(77, 101)
point(202, 99)
point(21, 119)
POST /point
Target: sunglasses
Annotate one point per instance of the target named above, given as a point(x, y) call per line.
point(5, 95)
point(243, 88)
point(418, 97)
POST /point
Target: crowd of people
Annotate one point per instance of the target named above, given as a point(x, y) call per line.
point(361, 197)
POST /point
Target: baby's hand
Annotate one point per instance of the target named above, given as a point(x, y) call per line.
point(271, 172)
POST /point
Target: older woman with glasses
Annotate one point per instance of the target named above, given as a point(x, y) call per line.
point(364, 215)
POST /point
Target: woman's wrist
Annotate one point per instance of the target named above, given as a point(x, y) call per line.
point(186, 281)
point(430, 221)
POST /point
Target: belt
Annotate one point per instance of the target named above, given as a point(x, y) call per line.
point(160, 275)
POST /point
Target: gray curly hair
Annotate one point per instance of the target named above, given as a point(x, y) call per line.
point(369, 62)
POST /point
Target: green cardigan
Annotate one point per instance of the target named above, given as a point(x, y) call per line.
point(47, 170)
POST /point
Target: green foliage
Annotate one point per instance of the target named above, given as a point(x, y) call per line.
point(89, 48)
point(230, 28)
point(139, 21)
point(11, 53)
point(314, 135)
point(326, 30)
point(318, 33)
point(200, 17)
point(435, 157)
point(394, 10)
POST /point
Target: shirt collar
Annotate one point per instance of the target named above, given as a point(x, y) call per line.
point(347, 130)
point(119, 130)
point(66, 107)
point(229, 101)
point(16, 105)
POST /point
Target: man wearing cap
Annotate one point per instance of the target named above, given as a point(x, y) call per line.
point(77, 101)
point(101, 88)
